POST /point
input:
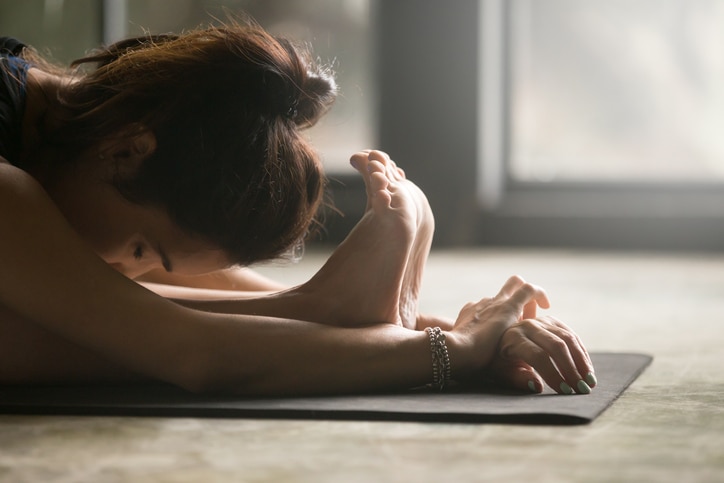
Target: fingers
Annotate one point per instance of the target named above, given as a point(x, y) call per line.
point(535, 349)
point(516, 296)
point(517, 375)
point(525, 297)
point(528, 293)
point(530, 310)
point(510, 286)
point(554, 351)
point(581, 358)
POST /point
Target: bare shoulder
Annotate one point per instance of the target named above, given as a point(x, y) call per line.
point(50, 279)
point(25, 210)
point(37, 245)
point(17, 185)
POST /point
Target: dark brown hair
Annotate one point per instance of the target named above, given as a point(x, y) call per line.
point(226, 104)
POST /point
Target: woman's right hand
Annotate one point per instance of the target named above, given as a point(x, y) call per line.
point(480, 326)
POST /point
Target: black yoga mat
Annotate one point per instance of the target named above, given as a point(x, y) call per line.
point(615, 372)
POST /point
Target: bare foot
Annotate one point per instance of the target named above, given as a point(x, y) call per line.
point(425, 227)
point(362, 281)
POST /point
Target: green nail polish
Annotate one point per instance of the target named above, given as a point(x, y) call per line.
point(531, 386)
point(591, 379)
point(566, 389)
point(583, 388)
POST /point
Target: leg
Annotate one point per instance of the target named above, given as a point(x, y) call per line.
point(362, 280)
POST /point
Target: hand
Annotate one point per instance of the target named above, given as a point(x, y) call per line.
point(480, 326)
point(543, 349)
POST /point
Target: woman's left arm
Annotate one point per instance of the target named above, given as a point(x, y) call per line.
point(243, 280)
point(244, 291)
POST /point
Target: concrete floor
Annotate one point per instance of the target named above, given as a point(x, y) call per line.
point(668, 426)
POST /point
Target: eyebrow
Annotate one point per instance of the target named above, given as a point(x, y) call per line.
point(164, 259)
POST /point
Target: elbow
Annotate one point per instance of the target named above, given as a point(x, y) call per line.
point(202, 375)
point(198, 383)
point(197, 376)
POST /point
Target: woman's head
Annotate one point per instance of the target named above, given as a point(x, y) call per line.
point(225, 107)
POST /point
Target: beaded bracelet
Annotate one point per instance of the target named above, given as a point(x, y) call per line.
point(441, 372)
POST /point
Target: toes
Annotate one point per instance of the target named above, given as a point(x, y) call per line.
point(380, 156)
point(376, 167)
point(381, 197)
point(378, 182)
point(359, 161)
point(393, 172)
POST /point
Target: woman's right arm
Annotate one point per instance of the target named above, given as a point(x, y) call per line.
point(51, 279)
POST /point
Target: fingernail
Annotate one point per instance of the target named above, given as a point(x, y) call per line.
point(566, 389)
point(591, 379)
point(583, 388)
point(532, 387)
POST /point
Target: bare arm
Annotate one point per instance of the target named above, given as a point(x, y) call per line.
point(90, 305)
point(52, 285)
point(239, 280)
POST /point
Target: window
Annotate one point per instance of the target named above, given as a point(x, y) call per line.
point(617, 91)
point(540, 124)
point(63, 29)
point(610, 109)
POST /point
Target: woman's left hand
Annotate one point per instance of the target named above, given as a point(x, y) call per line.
point(543, 349)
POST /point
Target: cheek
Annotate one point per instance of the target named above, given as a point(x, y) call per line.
point(108, 244)
point(99, 229)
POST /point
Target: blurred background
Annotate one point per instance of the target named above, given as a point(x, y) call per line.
point(552, 123)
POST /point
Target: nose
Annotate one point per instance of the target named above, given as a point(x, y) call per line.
point(130, 272)
point(123, 270)
point(117, 267)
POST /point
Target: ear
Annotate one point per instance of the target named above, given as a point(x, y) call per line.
point(142, 144)
point(128, 152)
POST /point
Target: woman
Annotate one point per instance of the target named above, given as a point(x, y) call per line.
point(127, 191)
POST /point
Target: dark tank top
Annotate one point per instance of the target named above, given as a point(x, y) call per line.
point(13, 78)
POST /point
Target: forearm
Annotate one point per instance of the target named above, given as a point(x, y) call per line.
point(233, 279)
point(295, 303)
point(230, 354)
point(280, 356)
point(299, 303)
point(425, 321)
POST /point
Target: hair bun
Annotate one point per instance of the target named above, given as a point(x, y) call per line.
point(299, 89)
point(318, 93)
